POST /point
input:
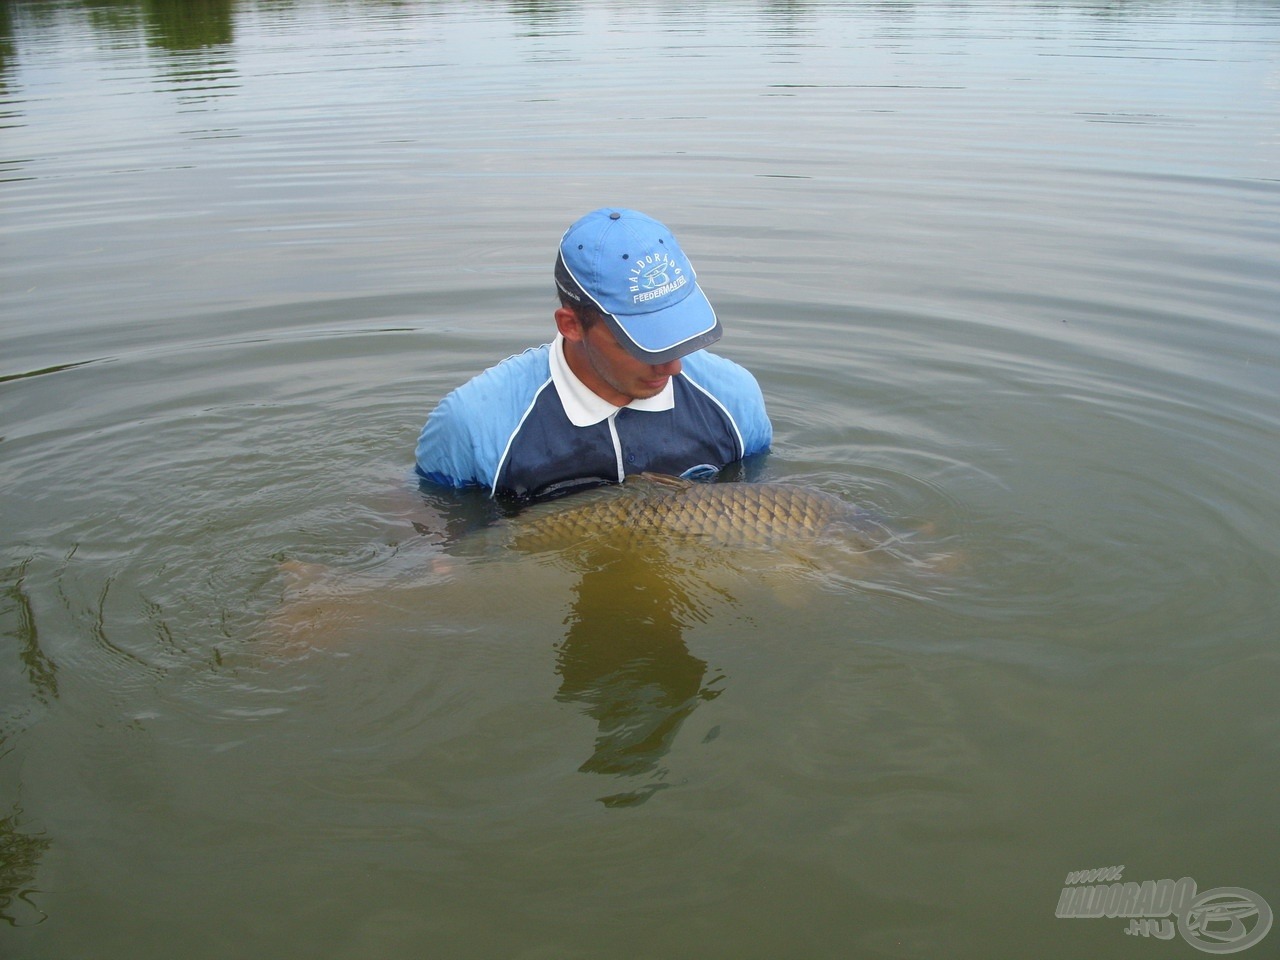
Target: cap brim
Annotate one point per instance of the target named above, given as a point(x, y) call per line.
point(668, 334)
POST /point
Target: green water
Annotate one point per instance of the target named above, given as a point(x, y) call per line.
point(1006, 274)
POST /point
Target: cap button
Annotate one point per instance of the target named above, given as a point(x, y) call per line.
point(615, 215)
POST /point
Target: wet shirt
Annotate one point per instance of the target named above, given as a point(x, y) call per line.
point(529, 428)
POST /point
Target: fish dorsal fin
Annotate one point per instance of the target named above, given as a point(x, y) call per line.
point(666, 480)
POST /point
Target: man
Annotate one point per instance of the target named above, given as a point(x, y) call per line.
point(624, 387)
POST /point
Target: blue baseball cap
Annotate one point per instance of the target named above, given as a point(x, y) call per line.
point(630, 268)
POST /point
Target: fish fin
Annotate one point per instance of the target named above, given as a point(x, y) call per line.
point(666, 480)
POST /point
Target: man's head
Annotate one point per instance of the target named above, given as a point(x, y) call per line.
point(627, 269)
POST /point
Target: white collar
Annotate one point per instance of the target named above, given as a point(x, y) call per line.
point(583, 406)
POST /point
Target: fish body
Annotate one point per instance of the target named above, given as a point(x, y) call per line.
point(659, 507)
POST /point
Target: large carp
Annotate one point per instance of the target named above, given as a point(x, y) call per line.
point(624, 533)
point(653, 507)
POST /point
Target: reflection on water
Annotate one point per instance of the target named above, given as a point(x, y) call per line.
point(173, 25)
point(189, 24)
point(20, 850)
point(623, 657)
point(18, 626)
point(196, 38)
point(625, 660)
point(6, 46)
point(20, 853)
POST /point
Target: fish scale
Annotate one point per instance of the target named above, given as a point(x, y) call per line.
point(734, 514)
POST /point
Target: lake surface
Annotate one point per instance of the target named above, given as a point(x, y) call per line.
point(1007, 274)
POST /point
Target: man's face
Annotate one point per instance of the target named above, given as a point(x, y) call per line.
point(601, 363)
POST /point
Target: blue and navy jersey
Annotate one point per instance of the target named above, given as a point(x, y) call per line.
point(507, 430)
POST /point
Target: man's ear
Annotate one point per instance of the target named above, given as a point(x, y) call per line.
point(569, 325)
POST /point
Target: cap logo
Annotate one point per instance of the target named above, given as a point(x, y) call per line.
point(655, 275)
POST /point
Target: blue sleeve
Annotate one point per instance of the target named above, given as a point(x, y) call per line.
point(466, 435)
point(446, 452)
point(738, 392)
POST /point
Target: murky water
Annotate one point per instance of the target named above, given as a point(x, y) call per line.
point(1007, 275)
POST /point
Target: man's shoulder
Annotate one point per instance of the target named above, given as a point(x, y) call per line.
point(516, 376)
point(464, 436)
point(735, 389)
point(530, 366)
point(712, 371)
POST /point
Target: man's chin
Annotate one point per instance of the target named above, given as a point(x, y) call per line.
point(650, 388)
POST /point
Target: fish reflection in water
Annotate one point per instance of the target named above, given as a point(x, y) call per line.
point(644, 579)
point(648, 560)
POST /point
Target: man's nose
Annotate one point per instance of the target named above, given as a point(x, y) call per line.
point(669, 369)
